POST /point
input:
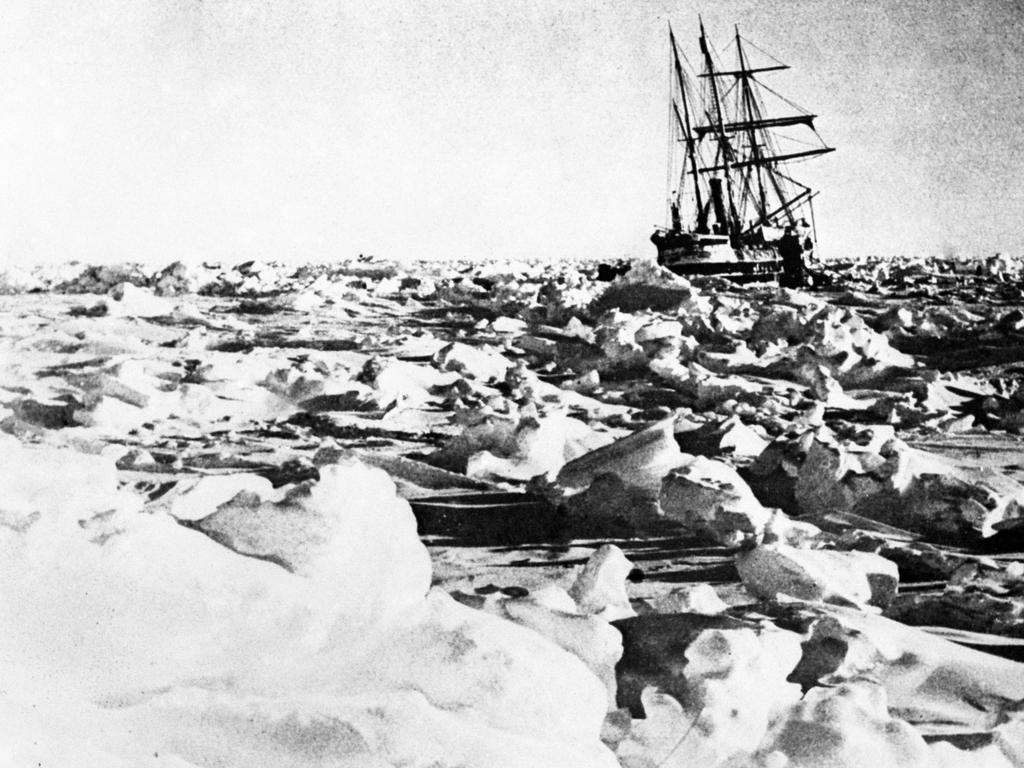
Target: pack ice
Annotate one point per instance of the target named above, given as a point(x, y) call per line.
point(669, 522)
point(308, 637)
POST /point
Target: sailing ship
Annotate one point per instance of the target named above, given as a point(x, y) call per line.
point(732, 143)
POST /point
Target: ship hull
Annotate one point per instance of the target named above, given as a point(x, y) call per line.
point(695, 254)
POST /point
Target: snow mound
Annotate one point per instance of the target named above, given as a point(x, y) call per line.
point(136, 639)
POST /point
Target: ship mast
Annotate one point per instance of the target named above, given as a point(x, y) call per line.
point(755, 147)
point(684, 126)
point(723, 142)
point(756, 194)
point(757, 164)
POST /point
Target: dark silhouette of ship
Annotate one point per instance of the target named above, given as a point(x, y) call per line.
point(730, 155)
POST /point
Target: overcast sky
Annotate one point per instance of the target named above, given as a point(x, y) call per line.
point(153, 130)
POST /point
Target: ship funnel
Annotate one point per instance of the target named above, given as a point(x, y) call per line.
point(719, 202)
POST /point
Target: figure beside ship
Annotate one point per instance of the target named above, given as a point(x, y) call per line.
point(729, 157)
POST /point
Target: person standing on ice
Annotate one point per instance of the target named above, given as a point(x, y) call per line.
point(792, 259)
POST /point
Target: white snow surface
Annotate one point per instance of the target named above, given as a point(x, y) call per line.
point(130, 639)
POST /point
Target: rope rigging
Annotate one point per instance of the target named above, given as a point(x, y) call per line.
point(736, 139)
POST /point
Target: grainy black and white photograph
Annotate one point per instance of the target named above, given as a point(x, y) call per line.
point(511, 385)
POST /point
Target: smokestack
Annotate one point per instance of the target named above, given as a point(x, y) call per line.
point(719, 203)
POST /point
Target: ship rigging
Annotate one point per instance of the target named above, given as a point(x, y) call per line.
point(738, 139)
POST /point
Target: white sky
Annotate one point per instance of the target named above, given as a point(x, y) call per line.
point(154, 130)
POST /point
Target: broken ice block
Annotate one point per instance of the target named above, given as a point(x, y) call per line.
point(858, 578)
point(641, 460)
point(710, 497)
point(601, 586)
